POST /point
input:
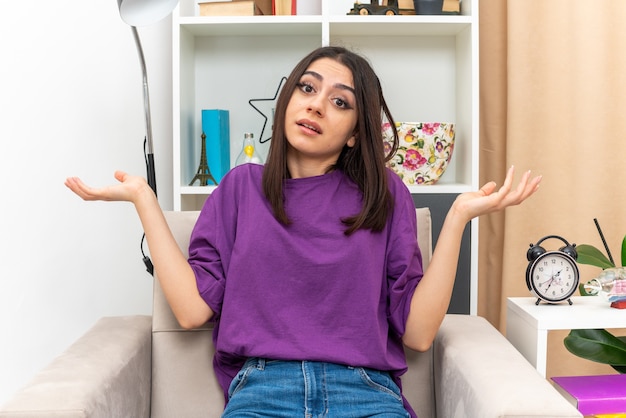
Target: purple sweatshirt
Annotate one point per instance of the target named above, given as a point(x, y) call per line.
point(304, 291)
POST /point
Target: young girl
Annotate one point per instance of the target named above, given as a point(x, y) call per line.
point(309, 265)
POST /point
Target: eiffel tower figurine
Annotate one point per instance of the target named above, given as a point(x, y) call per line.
point(204, 172)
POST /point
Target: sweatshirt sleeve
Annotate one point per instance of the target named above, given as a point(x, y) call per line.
point(211, 243)
point(404, 258)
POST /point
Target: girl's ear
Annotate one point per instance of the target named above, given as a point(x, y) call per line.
point(352, 140)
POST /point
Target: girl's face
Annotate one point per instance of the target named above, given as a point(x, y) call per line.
point(320, 119)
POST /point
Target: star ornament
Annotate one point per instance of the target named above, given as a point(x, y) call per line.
point(273, 99)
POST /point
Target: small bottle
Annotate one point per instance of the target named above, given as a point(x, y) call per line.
point(248, 152)
point(611, 283)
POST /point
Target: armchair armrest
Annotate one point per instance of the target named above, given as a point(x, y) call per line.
point(478, 373)
point(106, 373)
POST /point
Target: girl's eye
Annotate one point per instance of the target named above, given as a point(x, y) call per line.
point(341, 103)
point(306, 87)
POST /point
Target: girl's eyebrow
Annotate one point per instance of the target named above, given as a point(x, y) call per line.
point(337, 85)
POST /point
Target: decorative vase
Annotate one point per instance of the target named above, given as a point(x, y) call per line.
point(428, 7)
point(424, 150)
point(610, 283)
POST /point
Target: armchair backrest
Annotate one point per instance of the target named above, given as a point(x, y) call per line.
point(183, 382)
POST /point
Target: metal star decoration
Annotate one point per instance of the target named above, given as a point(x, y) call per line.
point(250, 102)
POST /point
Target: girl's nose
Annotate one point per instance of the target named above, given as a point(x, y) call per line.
point(316, 105)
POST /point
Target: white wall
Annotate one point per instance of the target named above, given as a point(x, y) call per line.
point(71, 104)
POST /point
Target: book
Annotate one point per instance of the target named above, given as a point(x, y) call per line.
point(216, 127)
point(451, 6)
point(600, 394)
point(607, 416)
point(235, 8)
point(284, 7)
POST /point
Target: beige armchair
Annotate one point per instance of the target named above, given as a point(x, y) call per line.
point(142, 366)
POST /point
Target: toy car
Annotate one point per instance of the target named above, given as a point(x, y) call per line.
point(375, 9)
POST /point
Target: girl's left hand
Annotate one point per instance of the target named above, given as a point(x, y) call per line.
point(488, 200)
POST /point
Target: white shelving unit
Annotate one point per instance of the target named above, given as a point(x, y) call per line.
point(428, 67)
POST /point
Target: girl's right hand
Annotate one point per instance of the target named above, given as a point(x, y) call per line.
point(130, 188)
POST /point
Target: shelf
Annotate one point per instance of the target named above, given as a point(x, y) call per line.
point(197, 190)
point(434, 82)
point(312, 25)
point(252, 25)
point(440, 189)
point(586, 312)
point(398, 25)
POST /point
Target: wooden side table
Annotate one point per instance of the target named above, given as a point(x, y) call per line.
point(527, 324)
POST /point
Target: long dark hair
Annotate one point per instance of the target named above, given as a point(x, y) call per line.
point(364, 163)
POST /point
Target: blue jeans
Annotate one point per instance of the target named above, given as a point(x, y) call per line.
point(272, 388)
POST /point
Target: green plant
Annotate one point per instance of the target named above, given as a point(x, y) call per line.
point(588, 254)
point(598, 345)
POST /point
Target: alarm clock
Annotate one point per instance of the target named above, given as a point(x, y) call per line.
point(552, 276)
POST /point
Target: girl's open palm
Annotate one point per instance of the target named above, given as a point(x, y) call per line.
point(128, 189)
point(488, 199)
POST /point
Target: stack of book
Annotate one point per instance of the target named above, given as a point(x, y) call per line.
point(595, 396)
point(247, 7)
point(284, 7)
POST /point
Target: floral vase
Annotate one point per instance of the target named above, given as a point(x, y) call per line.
point(424, 150)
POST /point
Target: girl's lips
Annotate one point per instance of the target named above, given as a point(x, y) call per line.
point(310, 125)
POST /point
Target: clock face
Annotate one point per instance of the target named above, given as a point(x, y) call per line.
point(553, 276)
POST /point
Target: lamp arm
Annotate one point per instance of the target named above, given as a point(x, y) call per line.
point(146, 104)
